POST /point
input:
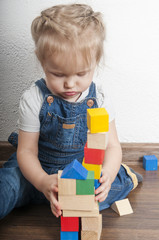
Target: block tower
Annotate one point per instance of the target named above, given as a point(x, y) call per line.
point(77, 182)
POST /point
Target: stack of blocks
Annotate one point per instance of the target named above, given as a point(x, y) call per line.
point(77, 183)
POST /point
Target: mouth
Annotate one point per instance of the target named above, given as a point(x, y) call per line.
point(70, 93)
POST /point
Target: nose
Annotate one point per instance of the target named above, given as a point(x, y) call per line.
point(69, 82)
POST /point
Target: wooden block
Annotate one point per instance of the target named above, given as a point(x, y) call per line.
point(122, 207)
point(69, 224)
point(93, 167)
point(150, 162)
point(74, 170)
point(97, 140)
point(66, 186)
point(86, 187)
point(77, 202)
point(69, 235)
point(97, 120)
point(75, 213)
point(92, 223)
point(93, 156)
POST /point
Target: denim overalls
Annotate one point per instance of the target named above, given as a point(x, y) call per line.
point(63, 134)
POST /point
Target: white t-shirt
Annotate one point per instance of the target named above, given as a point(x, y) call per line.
point(32, 100)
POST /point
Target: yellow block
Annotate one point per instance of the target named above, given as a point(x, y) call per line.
point(93, 167)
point(97, 120)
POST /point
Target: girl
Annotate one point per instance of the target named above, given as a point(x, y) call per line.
point(69, 45)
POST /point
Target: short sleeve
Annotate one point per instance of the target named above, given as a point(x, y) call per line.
point(29, 109)
point(104, 101)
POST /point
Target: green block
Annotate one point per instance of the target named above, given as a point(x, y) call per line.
point(85, 187)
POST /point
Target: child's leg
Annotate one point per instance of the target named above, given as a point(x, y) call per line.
point(15, 190)
point(120, 188)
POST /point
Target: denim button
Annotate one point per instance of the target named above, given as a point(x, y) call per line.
point(90, 103)
point(50, 99)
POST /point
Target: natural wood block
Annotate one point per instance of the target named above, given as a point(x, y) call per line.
point(93, 167)
point(75, 213)
point(66, 186)
point(96, 233)
point(97, 140)
point(77, 202)
point(93, 156)
point(69, 224)
point(122, 207)
point(92, 223)
point(97, 120)
point(86, 187)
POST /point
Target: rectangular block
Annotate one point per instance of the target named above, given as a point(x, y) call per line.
point(93, 156)
point(66, 186)
point(92, 223)
point(74, 170)
point(77, 202)
point(69, 224)
point(97, 140)
point(93, 167)
point(75, 213)
point(69, 235)
point(122, 207)
point(97, 120)
point(150, 162)
point(86, 187)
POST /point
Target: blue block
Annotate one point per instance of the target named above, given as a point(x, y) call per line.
point(150, 162)
point(68, 235)
point(97, 183)
point(75, 170)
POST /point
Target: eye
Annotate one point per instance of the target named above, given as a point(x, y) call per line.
point(58, 74)
point(81, 74)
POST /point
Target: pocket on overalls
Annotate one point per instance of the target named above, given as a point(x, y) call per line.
point(64, 133)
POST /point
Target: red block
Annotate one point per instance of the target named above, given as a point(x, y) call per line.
point(93, 156)
point(69, 224)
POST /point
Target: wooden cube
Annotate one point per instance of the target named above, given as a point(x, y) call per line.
point(69, 224)
point(77, 202)
point(93, 167)
point(66, 186)
point(150, 162)
point(97, 140)
point(93, 156)
point(97, 120)
point(92, 223)
point(122, 207)
point(69, 235)
point(85, 187)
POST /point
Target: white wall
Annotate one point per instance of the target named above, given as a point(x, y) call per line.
point(132, 62)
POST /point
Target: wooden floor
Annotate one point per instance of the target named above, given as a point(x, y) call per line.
point(38, 223)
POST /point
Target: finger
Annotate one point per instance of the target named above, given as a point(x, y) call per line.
point(103, 179)
point(102, 196)
point(55, 211)
point(101, 187)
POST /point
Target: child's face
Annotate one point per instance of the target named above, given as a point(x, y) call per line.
point(66, 81)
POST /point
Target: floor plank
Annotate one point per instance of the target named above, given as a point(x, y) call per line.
point(37, 222)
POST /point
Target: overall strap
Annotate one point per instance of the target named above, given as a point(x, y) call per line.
point(92, 90)
point(42, 86)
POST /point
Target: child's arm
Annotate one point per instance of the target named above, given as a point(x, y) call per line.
point(111, 164)
point(27, 156)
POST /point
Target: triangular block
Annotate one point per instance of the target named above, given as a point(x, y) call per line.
point(75, 170)
point(122, 207)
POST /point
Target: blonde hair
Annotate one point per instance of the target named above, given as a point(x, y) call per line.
point(69, 28)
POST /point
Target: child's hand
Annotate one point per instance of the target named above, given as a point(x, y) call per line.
point(104, 188)
point(50, 190)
